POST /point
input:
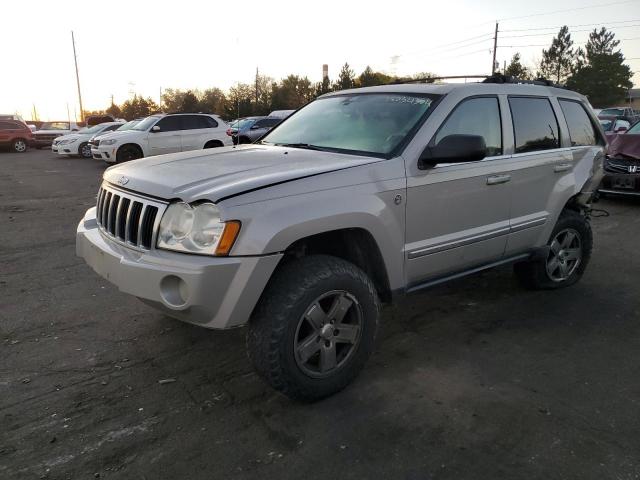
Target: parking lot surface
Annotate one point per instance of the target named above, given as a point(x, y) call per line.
point(477, 379)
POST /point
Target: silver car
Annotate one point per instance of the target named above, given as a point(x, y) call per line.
point(250, 129)
point(357, 198)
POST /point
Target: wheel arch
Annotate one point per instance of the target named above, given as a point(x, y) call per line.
point(355, 245)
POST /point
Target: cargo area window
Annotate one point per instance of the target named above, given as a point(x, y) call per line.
point(535, 126)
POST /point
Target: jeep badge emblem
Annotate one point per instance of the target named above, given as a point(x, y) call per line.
point(123, 180)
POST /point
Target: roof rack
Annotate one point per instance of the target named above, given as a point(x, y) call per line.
point(495, 78)
point(500, 78)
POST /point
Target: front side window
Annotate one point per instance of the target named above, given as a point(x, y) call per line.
point(476, 116)
point(581, 130)
point(362, 124)
point(170, 123)
point(146, 124)
point(534, 124)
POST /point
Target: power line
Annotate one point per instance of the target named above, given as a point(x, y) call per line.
point(551, 33)
point(448, 46)
point(570, 26)
point(567, 10)
point(548, 44)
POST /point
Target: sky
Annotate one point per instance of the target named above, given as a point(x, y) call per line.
point(126, 47)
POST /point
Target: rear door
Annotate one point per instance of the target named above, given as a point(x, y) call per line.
point(458, 214)
point(168, 138)
point(5, 131)
point(539, 164)
point(195, 130)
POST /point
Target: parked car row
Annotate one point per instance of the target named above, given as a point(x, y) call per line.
point(249, 129)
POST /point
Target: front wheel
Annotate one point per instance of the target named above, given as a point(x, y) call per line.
point(84, 150)
point(570, 247)
point(19, 145)
point(127, 153)
point(314, 327)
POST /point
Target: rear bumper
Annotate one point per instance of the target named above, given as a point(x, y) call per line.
point(214, 292)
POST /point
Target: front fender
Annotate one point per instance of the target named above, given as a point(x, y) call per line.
point(273, 225)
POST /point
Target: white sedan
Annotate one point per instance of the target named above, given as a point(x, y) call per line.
point(77, 143)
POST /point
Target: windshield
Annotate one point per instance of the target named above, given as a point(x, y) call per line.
point(94, 129)
point(373, 124)
point(55, 126)
point(128, 125)
point(607, 125)
point(146, 124)
point(244, 123)
point(612, 111)
point(634, 130)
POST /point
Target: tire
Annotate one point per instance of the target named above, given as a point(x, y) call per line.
point(84, 150)
point(213, 144)
point(572, 240)
point(19, 145)
point(244, 141)
point(127, 153)
point(303, 293)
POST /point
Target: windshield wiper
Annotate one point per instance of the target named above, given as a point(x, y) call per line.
point(305, 146)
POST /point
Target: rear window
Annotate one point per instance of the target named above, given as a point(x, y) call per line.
point(581, 130)
point(535, 126)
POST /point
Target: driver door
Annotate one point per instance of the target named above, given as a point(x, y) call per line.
point(168, 138)
point(458, 213)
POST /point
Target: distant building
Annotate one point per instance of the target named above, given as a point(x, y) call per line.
point(632, 100)
point(325, 71)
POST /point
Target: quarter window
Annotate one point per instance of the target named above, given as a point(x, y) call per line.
point(476, 116)
point(581, 129)
point(534, 124)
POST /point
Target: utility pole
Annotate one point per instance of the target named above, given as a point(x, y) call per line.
point(256, 87)
point(75, 59)
point(495, 47)
point(160, 100)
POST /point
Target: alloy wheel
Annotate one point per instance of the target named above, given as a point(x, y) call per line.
point(328, 334)
point(20, 146)
point(565, 254)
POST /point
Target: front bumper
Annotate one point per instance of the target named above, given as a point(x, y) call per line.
point(622, 177)
point(214, 292)
point(106, 153)
point(68, 149)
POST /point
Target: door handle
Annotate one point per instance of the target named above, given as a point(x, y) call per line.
point(563, 167)
point(497, 179)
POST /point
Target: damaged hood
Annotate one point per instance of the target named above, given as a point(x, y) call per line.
point(625, 146)
point(218, 173)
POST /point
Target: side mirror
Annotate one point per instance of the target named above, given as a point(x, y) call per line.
point(155, 128)
point(255, 127)
point(621, 129)
point(74, 129)
point(454, 149)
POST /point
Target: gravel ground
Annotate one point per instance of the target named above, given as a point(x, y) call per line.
point(478, 379)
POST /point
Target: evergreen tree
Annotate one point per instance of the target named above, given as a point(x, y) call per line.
point(346, 78)
point(558, 62)
point(601, 74)
point(369, 78)
point(516, 69)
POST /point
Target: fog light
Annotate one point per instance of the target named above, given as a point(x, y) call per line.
point(174, 291)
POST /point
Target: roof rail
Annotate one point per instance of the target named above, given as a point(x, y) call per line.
point(500, 78)
point(495, 78)
point(433, 79)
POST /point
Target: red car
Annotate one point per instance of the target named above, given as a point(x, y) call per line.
point(16, 135)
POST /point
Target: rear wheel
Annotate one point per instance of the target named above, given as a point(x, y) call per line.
point(127, 153)
point(19, 145)
point(84, 150)
point(569, 252)
point(314, 327)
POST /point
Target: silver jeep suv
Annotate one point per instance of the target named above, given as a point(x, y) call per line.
point(358, 197)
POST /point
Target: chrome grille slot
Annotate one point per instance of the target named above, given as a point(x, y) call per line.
point(128, 218)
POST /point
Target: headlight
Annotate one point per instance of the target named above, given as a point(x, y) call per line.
point(67, 142)
point(196, 229)
point(108, 142)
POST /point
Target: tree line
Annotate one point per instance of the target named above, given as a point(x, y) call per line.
point(597, 71)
